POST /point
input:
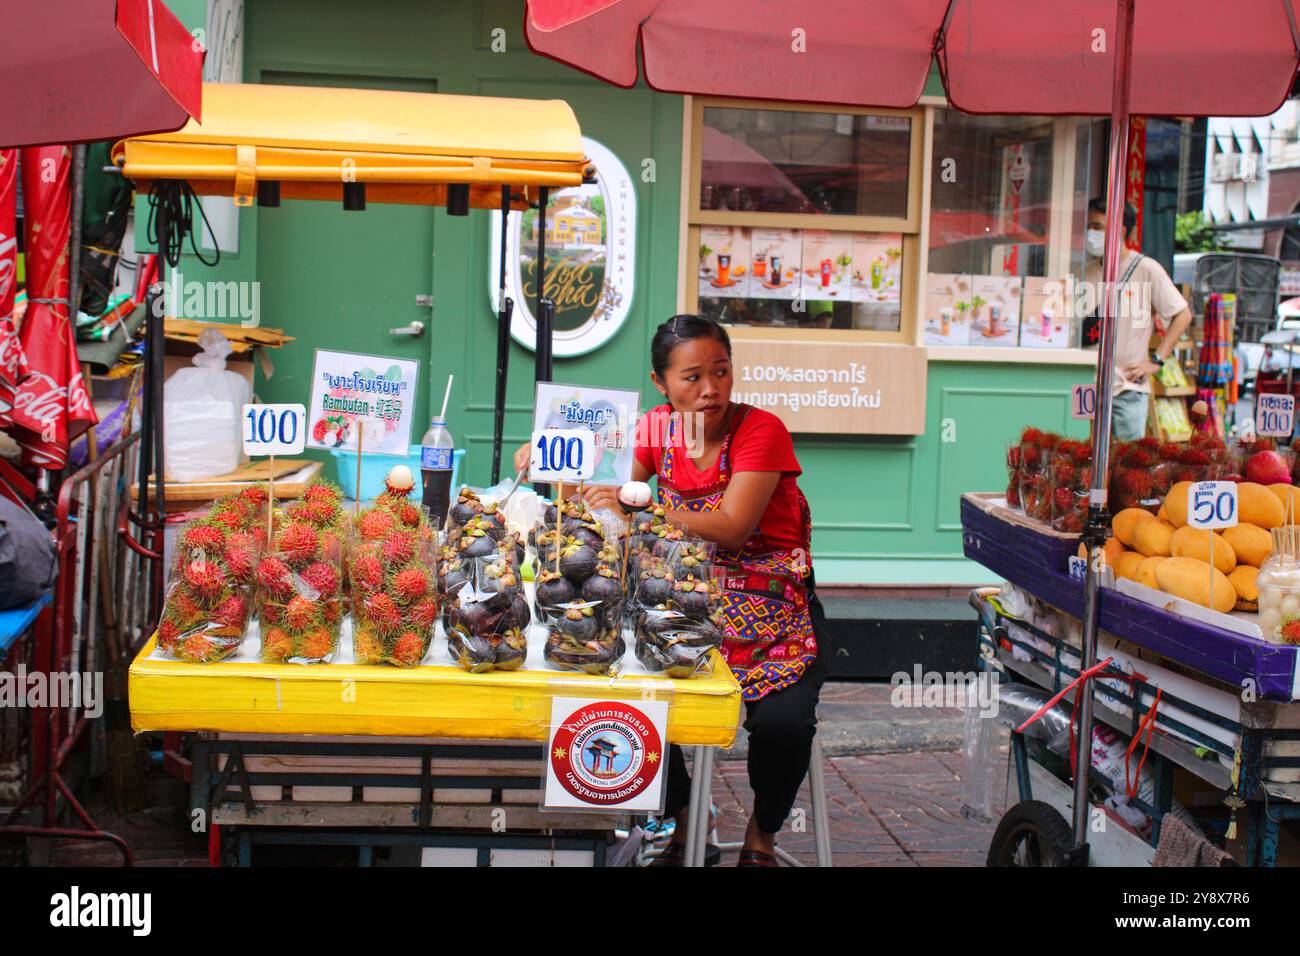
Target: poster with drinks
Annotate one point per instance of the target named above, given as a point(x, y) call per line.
point(995, 308)
point(777, 260)
point(947, 309)
point(827, 265)
point(724, 262)
point(349, 392)
point(877, 266)
point(1045, 322)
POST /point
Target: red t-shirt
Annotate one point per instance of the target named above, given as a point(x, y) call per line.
point(761, 443)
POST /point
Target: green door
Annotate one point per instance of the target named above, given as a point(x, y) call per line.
point(343, 280)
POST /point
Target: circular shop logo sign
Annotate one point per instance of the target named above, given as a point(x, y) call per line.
point(606, 753)
point(590, 259)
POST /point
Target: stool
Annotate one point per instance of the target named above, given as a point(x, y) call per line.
point(816, 790)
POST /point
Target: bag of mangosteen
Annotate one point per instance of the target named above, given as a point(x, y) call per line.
point(393, 574)
point(488, 614)
point(300, 579)
point(677, 634)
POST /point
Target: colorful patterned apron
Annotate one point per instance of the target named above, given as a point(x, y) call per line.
point(768, 640)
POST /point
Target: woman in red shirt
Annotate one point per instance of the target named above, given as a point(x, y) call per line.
point(732, 479)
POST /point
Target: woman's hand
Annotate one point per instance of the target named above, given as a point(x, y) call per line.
point(523, 454)
point(602, 496)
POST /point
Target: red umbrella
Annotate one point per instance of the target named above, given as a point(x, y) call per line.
point(79, 71)
point(50, 405)
point(1078, 57)
point(13, 363)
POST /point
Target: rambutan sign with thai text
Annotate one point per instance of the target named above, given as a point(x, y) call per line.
point(349, 392)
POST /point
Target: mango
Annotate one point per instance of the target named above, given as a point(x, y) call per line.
point(1243, 582)
point(1112, 550)
point(1162, 514)
point(1251, 543)
point(1197, 582)
point(1146, 571)
point(1125, 522)
point(1258, 506)
point(1153, 538)
point(1175, 506)
point(1289, 495)
point(1126, 564)
point(1189, 542)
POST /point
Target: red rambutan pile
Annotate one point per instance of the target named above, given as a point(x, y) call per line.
point(382, 611)
point(367, 571)
point(204, 537)
point(399, 548)
point(301, 613)
point(410, 584)
point(375, 524)
point(275, 578)
point(297, 543)
point(323, 577)
point(205, 579)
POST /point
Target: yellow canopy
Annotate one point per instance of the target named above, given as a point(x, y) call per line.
point(406, 147)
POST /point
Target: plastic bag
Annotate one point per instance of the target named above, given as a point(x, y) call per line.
point(677, 633)
point(209, 595)
point(300, 578)
point(489, 616)
point(204, 405)
point(585, 636)
point(395, 601)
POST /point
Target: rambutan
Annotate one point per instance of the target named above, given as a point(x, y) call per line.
point(318, 645)
point(185, 609)
point(168, 631)
point(1195, 457)
point(301, 613)
point(1031, 457)
point(197, 648)
point(323, 577)
point(205, 579)
point(323, 492)
point(375, 524)
point(270, 613)
point(239, 557)
point(277, 645)
point(297, 543)
point(367, 648)
point(1048, 441)
point(409, 649)
point(204, 537)
point(232, 612)
point(231, 519)
point(1135, 485)
point(332, 611)
point(424, 613)
point(383, 612)
point(1290, 631)
point(367, 571)
point(1031, 435)
point(411, 583)
point(317, 513)
point(1062, 500)
point(399, 548)
point(1063, 472)
point(274, 576)
point(256, 495)
point(409, 515)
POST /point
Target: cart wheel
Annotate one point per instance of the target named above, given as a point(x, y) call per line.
point(1031, 834)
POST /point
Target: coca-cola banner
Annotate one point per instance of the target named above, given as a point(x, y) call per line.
point(50, 406)
point(8, 231)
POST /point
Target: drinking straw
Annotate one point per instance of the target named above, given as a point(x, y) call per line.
point(442, 416)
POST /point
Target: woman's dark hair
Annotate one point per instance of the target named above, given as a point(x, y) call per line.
point(1130, 212)
point(683, 328)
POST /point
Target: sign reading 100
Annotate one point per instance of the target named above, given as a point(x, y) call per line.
point(562, 454)
point(274, 429)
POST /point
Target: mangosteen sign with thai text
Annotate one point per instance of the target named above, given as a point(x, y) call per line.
point(608, 413)
point(590, 259)
point(606, 754)
point(349, 392)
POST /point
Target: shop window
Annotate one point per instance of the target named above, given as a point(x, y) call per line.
point(805, 217)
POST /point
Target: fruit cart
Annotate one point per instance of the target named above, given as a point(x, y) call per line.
point(432, 756)
point(1215, 705)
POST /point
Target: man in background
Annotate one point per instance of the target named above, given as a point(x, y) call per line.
point(1145, 290)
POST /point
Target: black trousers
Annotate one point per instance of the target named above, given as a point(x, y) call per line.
point(781, 727)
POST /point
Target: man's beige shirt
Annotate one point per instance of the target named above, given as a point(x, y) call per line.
point(1133, 326)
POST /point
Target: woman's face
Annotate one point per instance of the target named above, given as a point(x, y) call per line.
point(698, 379)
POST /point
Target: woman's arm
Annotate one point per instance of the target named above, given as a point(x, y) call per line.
point(743, 504)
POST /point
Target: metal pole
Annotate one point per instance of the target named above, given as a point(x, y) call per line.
point(544, 316)
point(505, 308)
point(1098, 514)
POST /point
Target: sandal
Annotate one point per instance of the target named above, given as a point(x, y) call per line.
point(756, 858)
point(675, 855)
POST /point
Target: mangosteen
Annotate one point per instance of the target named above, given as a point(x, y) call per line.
point(691, 597)
point(511, 650)
point(481, 618)
point(668, 544)
point(454, 576)
point(603, 585)
point(499, 578)
point(523, 617)
point(470, 651)
point(553, 589)
point(694, 556)
point(577, 562)
point(477, 545)
point(593, 657)
point(467, 506)
point(654, 585)
point(578, 623)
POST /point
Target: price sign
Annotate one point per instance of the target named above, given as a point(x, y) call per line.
point(608, 415)
point(1083, 401)
point(1078, 567)
point(274, 429)
point(562, 454)
point(1212, 504)
point(1274, 415)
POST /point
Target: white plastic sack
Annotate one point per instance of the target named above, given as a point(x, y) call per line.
point(202, 431)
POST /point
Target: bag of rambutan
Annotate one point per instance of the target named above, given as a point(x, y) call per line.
point(209, 595)
point(1139, 476)
point(1036, 449)
point(1069, 476)
point(393, 573)
point(1013, 474)
point(488, 614)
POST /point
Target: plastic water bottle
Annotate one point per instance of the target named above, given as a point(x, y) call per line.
point(436, 453)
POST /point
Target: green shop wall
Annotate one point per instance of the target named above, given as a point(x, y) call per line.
point(885, 509)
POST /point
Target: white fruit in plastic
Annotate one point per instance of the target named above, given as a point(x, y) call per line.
point(1290, 606)
point(1269, 597)
point(1269, 619)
